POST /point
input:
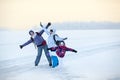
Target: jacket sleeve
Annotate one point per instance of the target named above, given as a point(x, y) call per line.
point(28, 42)
point(46, 31)
point(59, 38)
point(41, 32)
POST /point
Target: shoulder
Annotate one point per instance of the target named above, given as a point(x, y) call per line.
point(37, 33)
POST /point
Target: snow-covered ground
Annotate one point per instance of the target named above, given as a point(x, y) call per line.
point(98, 57)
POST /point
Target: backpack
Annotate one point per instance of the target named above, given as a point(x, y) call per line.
point(56, 41)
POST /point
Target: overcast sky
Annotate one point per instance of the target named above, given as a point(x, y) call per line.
point(20, 14)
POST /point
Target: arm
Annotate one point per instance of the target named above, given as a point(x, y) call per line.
point(59, 38)
point(46, 31)
point(41, 32)
point(28, 42)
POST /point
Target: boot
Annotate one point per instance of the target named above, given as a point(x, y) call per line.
point(50, 64)
point(36, 64)
point(51, 49)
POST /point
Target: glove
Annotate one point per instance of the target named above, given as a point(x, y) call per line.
point(74, 51)
point(41, 24)
point(65, 38)
point(49, 24)
point(21, 46)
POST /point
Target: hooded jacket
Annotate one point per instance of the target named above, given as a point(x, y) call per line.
point(50, 41)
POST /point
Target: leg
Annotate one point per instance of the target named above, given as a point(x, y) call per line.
point(38, 56)
point(52, 49)
point(47, 55)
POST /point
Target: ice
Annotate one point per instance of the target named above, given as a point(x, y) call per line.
point(97, 58)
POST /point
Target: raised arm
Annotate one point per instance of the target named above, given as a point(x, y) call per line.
point(59, 38)
point(46, 31)
point(41, 32)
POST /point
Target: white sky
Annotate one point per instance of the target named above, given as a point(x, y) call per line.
point(25, 13)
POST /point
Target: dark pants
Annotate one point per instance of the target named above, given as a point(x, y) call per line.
point(40, 48)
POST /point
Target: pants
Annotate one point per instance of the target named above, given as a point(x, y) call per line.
point(40, 48)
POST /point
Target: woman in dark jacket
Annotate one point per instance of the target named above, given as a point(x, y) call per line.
point(39, 41)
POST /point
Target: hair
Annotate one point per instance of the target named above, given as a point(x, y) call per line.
point(51, 30)
point(31, 31)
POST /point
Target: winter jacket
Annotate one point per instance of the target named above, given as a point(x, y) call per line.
point(37, 39)
point(50, 41)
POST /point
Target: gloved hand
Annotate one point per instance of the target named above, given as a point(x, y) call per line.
point(65, 38)
point(21, 46)
point(41, 24)
point(49, 23)
point(74, 51)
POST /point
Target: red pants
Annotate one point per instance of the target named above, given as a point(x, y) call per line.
point(61, 50)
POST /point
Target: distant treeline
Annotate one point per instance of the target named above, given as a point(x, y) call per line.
point(77, 26)
point(86, 25)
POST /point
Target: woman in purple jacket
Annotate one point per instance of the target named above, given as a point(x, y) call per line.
point(39, 41)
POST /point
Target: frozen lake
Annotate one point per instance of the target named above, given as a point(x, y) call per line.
point(98, 57)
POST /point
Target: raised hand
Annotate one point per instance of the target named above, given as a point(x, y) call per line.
point(49, 23)
point(41, 24)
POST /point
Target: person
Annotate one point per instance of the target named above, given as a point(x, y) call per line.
point(56, 43)
point(61, 49)
point(38, 40)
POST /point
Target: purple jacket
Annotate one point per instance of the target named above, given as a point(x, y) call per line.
point(38, 39)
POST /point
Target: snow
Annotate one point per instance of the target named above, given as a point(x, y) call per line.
point(97, 58)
